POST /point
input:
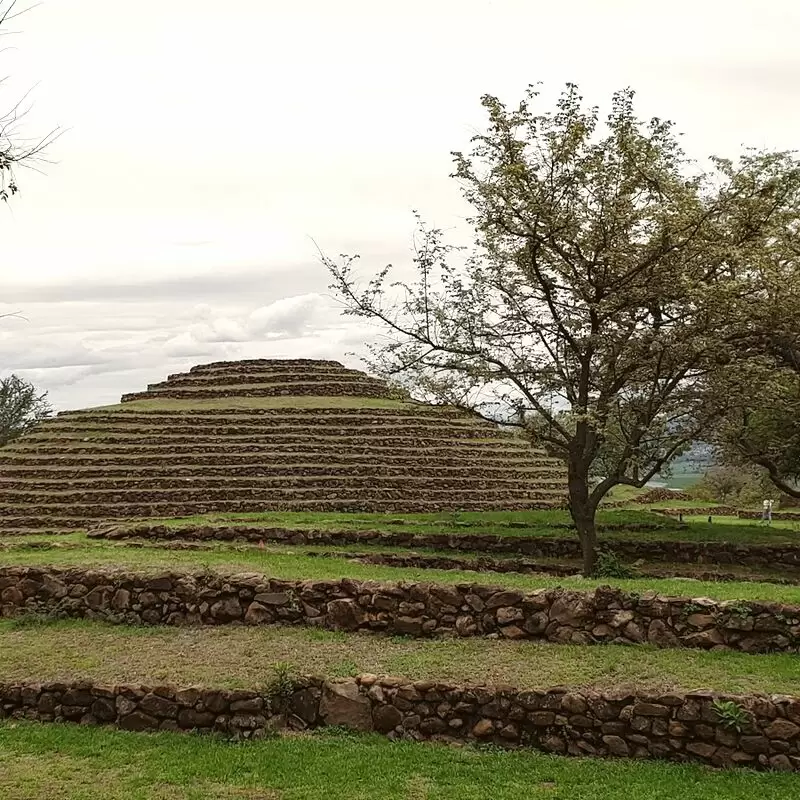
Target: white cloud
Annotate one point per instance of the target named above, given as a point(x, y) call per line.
point(290, 315)
point(176, 223)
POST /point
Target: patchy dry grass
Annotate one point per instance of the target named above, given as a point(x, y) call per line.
point(239, 657)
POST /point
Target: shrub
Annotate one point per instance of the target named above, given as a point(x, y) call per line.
point(608, 565)
point(282, 683)
point(730, 714)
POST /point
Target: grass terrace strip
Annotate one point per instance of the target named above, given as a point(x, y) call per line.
point(292, 564)
point(46, 761)
point(466, 562)
point(536, 543)
point(248, 657)
point(605, 615)
point(721, 731)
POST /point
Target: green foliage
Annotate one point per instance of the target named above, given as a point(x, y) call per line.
point(32, 619)
point(731, 714)
point(691, 608)
point(608, 565)
point(21, 407)
point(344, 669)
point(282, 683)
point(739, 486)
point(738, 609)
point(608, 286)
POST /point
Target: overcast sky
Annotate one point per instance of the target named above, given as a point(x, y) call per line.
point(207, 144)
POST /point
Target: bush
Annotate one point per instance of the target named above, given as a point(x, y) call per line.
point(608, 565)
point(735, 486)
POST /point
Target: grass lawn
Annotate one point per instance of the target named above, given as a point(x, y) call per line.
point(244, 657)
point(44, 762)
point(635, 524)
point(292, 563)
point(482, 563)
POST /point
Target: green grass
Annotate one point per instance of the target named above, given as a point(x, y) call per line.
point(291, 563)
point(635, 524)
point(40, 762)
point(246, 657)
point(679, 504)
point(505, 563)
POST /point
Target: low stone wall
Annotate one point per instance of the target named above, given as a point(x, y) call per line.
point(697, 511)
point(524, 566)
point(785, 556)
point(760, 732)
point(605, 615)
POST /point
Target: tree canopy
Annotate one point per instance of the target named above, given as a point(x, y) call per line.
point(22, 406)
point(604, 293)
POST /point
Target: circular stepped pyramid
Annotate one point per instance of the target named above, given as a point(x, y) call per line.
point(265, 435)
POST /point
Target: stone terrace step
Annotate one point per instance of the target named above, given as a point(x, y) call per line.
point(234, 488)
point(222, 418)
point(266, 364)
point(188, 490)
point(253, 377)
point(18, 516)
point(312, 389)
point(443, 428)
point(473, 455)
point(244, 416)
point(44, 472)
point(234, 382)
point(245, 445)
point(190, 462)
point(204, 443)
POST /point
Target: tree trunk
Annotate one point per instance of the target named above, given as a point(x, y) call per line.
point(583, 515)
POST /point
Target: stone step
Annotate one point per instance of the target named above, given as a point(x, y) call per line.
point(319, 389)
point(451, 468)
point(42, 515)
point(188, 490)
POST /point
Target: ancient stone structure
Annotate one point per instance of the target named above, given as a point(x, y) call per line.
point(605, 615)
point(755, 731)
point(265, 435)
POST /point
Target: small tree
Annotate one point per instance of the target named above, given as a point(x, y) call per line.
point(732, 485)
point(597, 302)
point(21, 407)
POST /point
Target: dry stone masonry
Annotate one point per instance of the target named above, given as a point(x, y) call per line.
point(763, 732)
point(605, 615)
point(240, 437)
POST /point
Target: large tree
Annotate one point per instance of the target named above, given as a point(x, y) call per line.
point(22, 406)
point(763, 426)
point(596, 304)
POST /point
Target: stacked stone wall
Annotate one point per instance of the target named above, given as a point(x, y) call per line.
point(762, 732)
point(604, 615)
